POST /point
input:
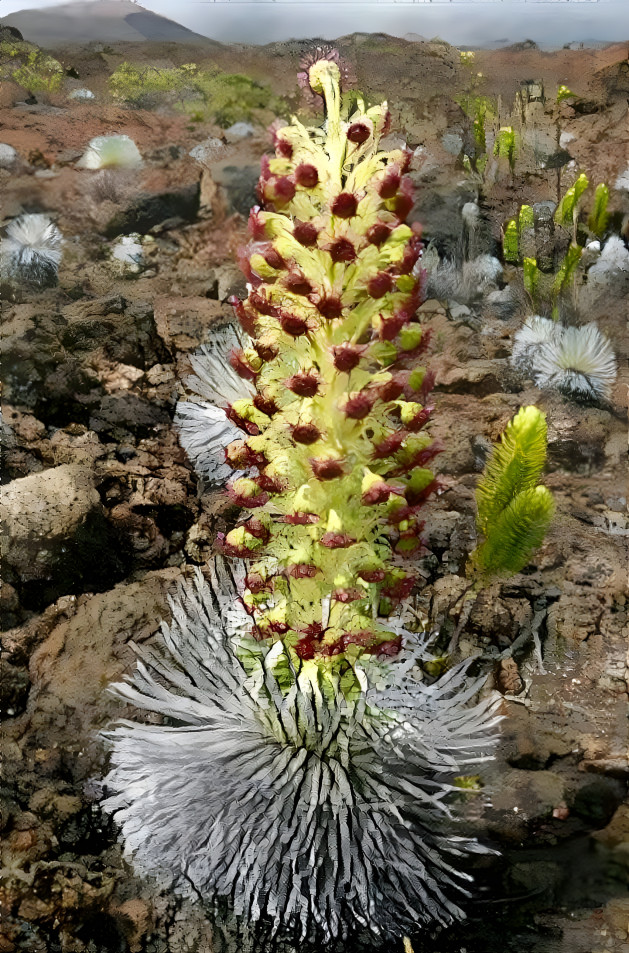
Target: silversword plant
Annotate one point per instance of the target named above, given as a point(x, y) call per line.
point(302, 775)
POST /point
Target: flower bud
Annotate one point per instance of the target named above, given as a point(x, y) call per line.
point(345, 205)
point(240, 364)
point(346, 356)
point(240, 456)
point(265, 405)
point(263, 305)
point(246, 492)
point(305, 433)
point(302, 571)
point(293, 324)
point(390, 327)
point(348, 595)
point(392, 389)
point(280, 191)
point(299, 519)
point(342, 250)
point(305, 233)
point(257, 528)
point(304, 384)
point(266, 352)
point(371, 575)
point(297, 284)
point(390, 445)
point(418, 420)
point(246, 318)
point(273, 258)
point(390, 183)
point(358, 133)
point(306, 175)
point(380, 284)
point(405, 200)
point(336, 540)
point(410, 337)
point(327, 468)
point(330, 307)
point(359, 405)
point(377, 234)
point(388, 649)
point(257, 226)
point(270, 484)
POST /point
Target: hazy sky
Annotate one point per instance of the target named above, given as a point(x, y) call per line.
point(466, 22)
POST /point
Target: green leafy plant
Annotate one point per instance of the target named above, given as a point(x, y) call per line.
point(30, 67)
point(514, 512)
point(205, 94)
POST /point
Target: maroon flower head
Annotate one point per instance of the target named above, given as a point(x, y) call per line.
point(336, 540)
point(266, 352)
point(358, 406)
point(390, 445)
point(265, 405)
point(305, 433)
point(304, 384)
point(246, 318)
point(342, 250)
point(257, 228)
point(420, 419)
point(378, 233)
point(416, 498)
point(330, 307)
point(405, 200)
point(299, 519)
point(378, 493)
point(358, 133)
point(263, 305)
point(256, 528)
point(306, 233)
point(390, 183)
point(345, 205)
point(279, 190)
point(306, 175)
point(302, 571)
point(372, 575)
point(380, 284)
point(347, 356)
point(297, 283)
point(246, 425)
point(327, 468)
point(293, 324)
point(348, 595)
point(239, 362)
point(248, 499)
point(390, 327)
point(273, 258)
point(392, 389)
point(386, 649)
point(270, 484)
point(255, 582)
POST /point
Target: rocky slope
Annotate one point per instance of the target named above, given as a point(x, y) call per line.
point(103, 515)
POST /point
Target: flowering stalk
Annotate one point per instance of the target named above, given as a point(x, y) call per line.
point(335, 433)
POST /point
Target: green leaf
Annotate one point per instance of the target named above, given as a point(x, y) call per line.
point(514, 465)
point(566, 209)
point(531, 276)
point(517, 532)
point(567, 270)
point(597, 222)
point(510, 242)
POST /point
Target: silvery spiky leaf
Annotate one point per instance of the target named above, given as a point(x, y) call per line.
point(31, 251)
point(535, 331)
point(580, 363)
point(203, 426)
point(612, 263)
point(302, 808)
point(466, 283)
point(107, 152)
point(204, 432)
